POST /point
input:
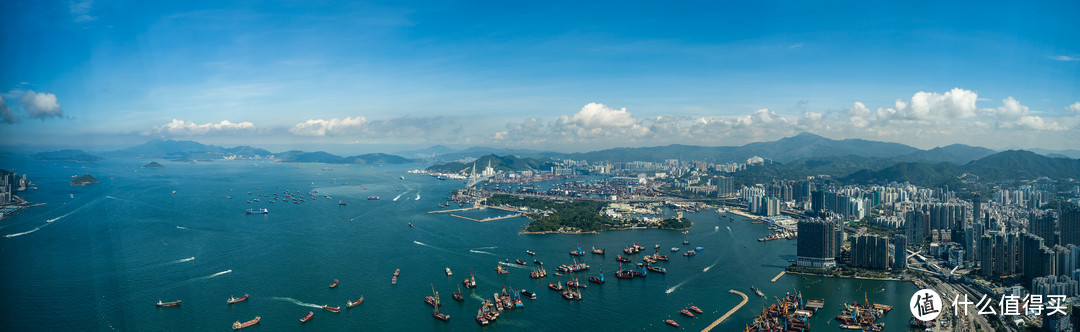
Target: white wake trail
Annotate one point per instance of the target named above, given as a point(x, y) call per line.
point(296, 302)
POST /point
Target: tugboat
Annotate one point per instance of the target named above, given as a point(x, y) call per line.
point(672, 323)
point(331, 309)
point(308, 317)
point(598, 251)
point(351, 304)
point(238, 325)
point(168, 304)
point(232, 300)
point(334, 284)
point(686, 313)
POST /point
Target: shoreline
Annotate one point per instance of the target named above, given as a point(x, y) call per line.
point(603, 230)
point(843, 276)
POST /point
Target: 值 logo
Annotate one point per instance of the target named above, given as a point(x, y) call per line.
point(925, 305)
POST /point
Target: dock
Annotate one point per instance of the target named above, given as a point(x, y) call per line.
point(777, 277)
point(455, 210)
point(730, 312)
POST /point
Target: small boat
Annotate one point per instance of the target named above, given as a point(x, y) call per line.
point(500, 270)
point(538, 262)
point(674, 249)
point(256, 211)
point(393, 281)
point(530, 253)
point(334, 284)
point(373, 198)
point(672, 323)
point(757, 291)
point(686, 242)
point(308, 317)
point(168, 304)
point(410, 225)
point(696, 309)
point(657, 269)
point(440, 316)
point(458, 296)
point(397, 272)
point(350, 304)
point(686, 313)
point(331, 309)
point(598, 251)
point(699, 248)
point(232, 300)
point(340, 202)
point(620, 258)
point(690, 253)
point(528, 294)
point(519, 262)
point(555, 285)
point(238, 325)
point(448, 273)
point(657, 246)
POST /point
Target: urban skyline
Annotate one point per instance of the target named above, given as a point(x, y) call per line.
point(557, 76)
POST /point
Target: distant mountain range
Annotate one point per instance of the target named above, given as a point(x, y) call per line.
point(67, 155)
point(295, 156)
point(186, 150)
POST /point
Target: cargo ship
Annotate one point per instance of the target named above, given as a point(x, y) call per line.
point(256, 211)
point(598, 251)
point(530, 253)
point(528, 294)
point(694, 308)
point(672, 323)
point(331, 309)
point(350, 304)
point(686, 313)
point(238, 325)
point(305, 319)
point(519, 262)
point(232, 300)
point(168, 304)
point(334, 284)
point(622, 259)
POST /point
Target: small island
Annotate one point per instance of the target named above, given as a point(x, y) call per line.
point(575, 217)
point(153, 164)
point(84, 180)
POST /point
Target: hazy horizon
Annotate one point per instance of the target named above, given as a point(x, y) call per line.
point(563, 77)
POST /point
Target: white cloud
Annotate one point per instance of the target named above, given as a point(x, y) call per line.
point(1074, 108)
point(41, 105)
point(596, 120)
point(187, 128)
point(332, 127)
point(6, 114)
point(1066, 57)
point(1011, 109)
point(956, 103)
point(81, 10)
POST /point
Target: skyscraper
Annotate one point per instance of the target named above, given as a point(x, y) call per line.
point(816, 245)
point(899, 252)
point(1070, 226)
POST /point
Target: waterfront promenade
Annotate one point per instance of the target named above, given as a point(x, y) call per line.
point(730, 312)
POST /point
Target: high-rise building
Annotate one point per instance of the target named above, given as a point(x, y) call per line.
point(817, 202)
point(816, 245)
point(1070, 226)
point(976, 207)
point(870, 251)
point(1043, 226)
point(900, 252)
point(986, 253)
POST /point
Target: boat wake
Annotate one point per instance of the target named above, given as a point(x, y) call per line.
point(716, 229)
point(717, 261)
point(399, 195)
point(487, 248)
point(181, 227)
point(673, 288)
point(213, 275)
point(58, 218)
point(481, 252)
point(296, 302)
point(184, 260)
point(513, 265)
point(26, 232)
point(477, 297)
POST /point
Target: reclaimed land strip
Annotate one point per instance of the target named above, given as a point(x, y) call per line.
point(777, 277)
point(730, 312)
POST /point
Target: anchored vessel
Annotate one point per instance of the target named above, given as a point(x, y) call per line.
point(168, 304)
point(232, 300)
point(238, 325)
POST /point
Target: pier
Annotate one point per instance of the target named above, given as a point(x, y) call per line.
point(730, 312)
point(488, 219)
point(455, 210)
point(777, 277)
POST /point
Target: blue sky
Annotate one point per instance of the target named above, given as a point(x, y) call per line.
point(554, 75)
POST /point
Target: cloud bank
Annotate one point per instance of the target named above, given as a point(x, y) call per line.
point(187, 128)
point(41, 105)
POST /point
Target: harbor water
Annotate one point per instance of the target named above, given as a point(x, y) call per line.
point(114, 249)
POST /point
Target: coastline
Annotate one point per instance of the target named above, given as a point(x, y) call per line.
point(523, 231)
point(843, 276)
